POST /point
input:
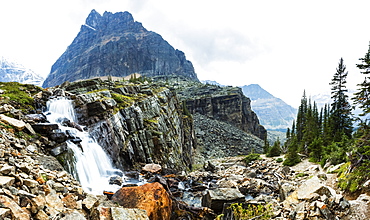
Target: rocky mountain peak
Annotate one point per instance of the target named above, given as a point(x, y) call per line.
point(93, 19)
point(114, 44)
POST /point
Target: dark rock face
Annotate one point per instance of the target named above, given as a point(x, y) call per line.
point(116, 45)
point(226, 104)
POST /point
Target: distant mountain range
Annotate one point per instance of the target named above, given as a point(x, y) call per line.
point(11, 71)
point(273, 113)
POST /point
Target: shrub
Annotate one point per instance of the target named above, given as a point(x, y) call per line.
point(275, 150)
point(279, 160)
point(252, 157)
point(251, 211)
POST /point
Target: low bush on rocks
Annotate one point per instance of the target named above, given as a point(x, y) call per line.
point(252, 157)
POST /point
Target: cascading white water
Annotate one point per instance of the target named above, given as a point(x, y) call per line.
point(92, 164)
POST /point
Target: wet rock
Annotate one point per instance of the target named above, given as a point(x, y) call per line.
point(35, 118)
point(59, 149)
point(216, 198)
point(115, 180)
point(45, 128)
point(95, 108)
point(151, 197)
point(58, 136)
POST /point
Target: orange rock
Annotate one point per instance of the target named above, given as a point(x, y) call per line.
point(70, 202)
point(151, 197)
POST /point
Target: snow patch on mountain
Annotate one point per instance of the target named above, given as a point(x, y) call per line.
point(11, 71)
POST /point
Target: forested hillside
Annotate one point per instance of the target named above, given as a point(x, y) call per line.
point(328, 135)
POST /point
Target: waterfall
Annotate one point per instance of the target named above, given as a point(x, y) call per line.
point(93, 167)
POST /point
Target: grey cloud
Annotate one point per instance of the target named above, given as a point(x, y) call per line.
point(219, 45)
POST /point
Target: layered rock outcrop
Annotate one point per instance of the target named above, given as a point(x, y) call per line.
point(226, 104)
point(116, 45)
point(135, 123)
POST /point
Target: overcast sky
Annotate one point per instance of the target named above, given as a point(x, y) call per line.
point(284, 46)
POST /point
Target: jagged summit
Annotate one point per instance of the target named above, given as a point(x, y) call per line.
point(115, 44)
point(118, 22)
point(11, 71)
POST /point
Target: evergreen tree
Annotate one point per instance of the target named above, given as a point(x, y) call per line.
point(292, 157)
point(275, 150)
point(341, 121)
point(301, 120)
point(316, 150)
point(326, 130)
point(362, 96)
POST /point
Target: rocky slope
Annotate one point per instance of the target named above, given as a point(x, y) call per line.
point(304, 191)
point(226, 104)
point(33, 184)
point(14, 72)
point(116, 45)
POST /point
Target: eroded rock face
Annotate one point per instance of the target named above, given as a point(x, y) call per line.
point(151, 197)
point(135, 124)
point(116, 45)
point(226, 104)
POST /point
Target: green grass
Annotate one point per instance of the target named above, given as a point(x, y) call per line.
point(19, 95)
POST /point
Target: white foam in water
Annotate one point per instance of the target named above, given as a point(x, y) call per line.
point(93, 166)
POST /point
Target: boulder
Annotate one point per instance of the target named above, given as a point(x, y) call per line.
point(152, 168)
point(215, 199)
point(15, 209)
point(6, 181)
point(13, 122)
point(44, 128)
point(38, 118)
point(310, 186)
point(118, 213)
point(151, 197)
point(6, 108)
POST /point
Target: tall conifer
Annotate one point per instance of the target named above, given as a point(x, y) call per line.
point(341, 121)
